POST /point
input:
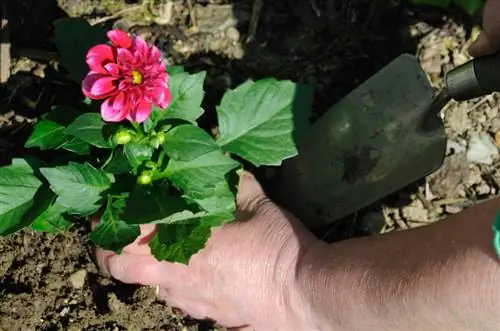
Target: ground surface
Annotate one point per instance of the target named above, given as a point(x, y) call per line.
point(50, 282)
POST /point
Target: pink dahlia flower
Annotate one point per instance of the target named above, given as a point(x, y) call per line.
point(130, 75)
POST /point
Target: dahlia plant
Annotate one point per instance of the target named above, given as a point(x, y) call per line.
point(131, 151)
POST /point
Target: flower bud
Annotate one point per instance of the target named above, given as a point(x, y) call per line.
point(145, 178)
point(160, 137)
point(123, 137)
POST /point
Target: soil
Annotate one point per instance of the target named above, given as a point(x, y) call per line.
point(50, 282)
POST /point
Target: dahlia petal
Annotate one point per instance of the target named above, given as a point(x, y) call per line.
point(88, 84)
point(157, 83)
point(119, 38)
point(154, 95)
point(103, 51)
point(120, 101)
point(124, 56)
point(154, 54)
point(141, 112)
point(125, 84)
point(111, 113)
point(113, 69)
point(167, 99)
point(95, 64)
point(103, 86)
point(142, 48)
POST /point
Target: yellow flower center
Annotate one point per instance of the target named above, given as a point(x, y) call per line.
point(136, 77)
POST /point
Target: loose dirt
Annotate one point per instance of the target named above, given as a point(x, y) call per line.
point(50, 282)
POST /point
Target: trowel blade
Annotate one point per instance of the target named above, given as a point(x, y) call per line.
point(364, 148)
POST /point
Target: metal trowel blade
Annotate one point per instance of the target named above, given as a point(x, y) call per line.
point(364, 148)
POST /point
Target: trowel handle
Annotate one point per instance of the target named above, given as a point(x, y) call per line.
point(476, 78)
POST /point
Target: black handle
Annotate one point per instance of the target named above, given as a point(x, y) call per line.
point(476, 78)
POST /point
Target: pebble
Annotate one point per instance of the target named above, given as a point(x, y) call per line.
point(232, 33)
point(77, 279)
point(481, 148)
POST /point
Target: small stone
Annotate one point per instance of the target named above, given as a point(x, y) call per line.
point(232, 33)
point(481, 149)
point(77, 279)
point(64, 311)
point(453, 209)
point(483, 189)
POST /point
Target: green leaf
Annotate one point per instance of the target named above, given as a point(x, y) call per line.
point(74, 37)
point(79, 186)
point(138, 152)
point(472, 7)
point(258, 120)
point(187, 142)
point(187, 96)
point(47, 135)
point(175, 69)
point(201, 177)
point(52, 220)
point(178, 242)
point(62, 115)
point(41, 202)
point(18, 186)
point(89, 127)
point(155, 205)
point(77, 146)
point(118, 163)
point(112, 233)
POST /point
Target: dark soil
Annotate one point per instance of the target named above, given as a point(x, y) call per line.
point(335, 45)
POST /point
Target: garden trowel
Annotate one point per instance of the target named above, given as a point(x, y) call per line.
point(381, 137)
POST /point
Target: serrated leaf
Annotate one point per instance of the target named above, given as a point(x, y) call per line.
point(178, 242)
point(89, 127)
point(118, 163)
point(199, 178)
point(472, 7)
point(175, 69)
point(187, 142)
point(155, 205)
point(73, 38)
point(77, 146)
point(46, 135)
point(52, 220)
point(18, 186)
point(187, 96)
point(138, 152)
point(78, 186)
point(112, 233)
point(258, 120)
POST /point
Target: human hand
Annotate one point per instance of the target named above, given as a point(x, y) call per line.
point(245, 276)
point(488, 41)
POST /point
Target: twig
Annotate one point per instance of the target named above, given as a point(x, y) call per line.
point(4, 46)
point(192, 16)
point(116, 15)
point(254, 20)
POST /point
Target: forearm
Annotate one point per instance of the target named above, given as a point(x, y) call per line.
point(445, 276)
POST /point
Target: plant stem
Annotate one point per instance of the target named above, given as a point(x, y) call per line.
point(138, 128)
point(160, 158)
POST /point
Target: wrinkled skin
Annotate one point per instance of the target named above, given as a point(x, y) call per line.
point(245, 276)
point(488, 41)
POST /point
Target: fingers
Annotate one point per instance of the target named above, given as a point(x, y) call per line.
point(138, 269)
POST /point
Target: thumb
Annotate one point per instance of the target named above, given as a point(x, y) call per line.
point(251, 195)
point(484, 45)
